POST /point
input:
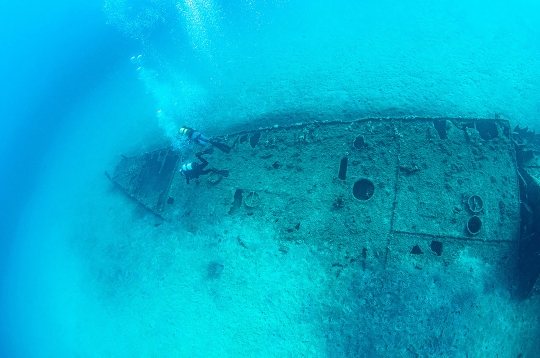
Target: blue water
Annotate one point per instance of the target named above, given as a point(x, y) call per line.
point(86, 81)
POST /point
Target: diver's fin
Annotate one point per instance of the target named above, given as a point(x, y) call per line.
point(225, 173)
point(223, 147)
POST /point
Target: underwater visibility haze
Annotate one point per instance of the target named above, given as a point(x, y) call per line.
point(373, 202)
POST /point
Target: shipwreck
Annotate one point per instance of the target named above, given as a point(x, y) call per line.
point(387, 191)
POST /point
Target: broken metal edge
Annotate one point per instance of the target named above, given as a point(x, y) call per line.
point(117, 185)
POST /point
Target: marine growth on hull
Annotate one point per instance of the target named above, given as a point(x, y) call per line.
point(387, 192)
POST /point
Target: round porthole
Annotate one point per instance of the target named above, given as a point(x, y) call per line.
point(363, 189)
point(475, 204)
point(474, 225)
point(252, 200)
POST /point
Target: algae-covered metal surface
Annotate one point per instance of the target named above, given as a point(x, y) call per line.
point(383, 192)
point(528, 158)
point(147, 177)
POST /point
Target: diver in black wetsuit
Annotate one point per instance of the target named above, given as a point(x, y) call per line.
point(201, 139)
point(195, 170)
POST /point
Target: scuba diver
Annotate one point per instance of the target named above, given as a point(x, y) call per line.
point(201, 139)
point(195, 170)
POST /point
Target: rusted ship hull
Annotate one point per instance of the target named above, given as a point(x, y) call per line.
point(387, 192)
